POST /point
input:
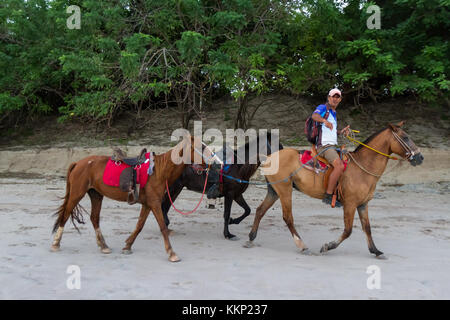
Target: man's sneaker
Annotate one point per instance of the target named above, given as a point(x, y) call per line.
point(329, 198)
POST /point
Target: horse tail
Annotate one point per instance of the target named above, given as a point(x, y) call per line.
point(76, 212)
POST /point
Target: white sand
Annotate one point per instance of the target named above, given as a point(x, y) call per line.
point(410, 224)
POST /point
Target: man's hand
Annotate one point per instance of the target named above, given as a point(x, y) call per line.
point(345, 131)
point(329, 125)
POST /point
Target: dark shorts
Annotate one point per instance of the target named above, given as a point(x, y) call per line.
point(329, 154)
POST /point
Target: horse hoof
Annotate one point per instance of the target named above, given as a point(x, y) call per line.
point(381, 257)
point(174, 258)
point(249, 244)
point(324, 248)
point(211, 206)
point(106, 250)
point(307, 252)
point(55, 249)
point(127, 251)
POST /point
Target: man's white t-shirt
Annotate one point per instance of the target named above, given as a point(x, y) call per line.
point(328, 136)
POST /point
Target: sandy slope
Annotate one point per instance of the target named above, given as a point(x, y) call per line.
point(410, 223)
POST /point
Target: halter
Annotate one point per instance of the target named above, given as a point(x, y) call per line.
point(214, 155)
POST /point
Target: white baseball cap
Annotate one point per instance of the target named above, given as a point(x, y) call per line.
point(335, 91)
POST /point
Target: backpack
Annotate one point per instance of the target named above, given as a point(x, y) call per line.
point(312, 128)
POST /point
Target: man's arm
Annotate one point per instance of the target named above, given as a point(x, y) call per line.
point(345, 131)
point(316, 117)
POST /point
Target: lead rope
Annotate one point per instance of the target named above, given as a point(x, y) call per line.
point(192, 211)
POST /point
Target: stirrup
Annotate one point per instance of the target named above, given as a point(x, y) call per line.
point(332, 201)
point(335, 202)
point(133, 197)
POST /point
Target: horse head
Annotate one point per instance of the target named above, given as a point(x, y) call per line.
point(272, 144)
point(192, 150)
point(404, 146)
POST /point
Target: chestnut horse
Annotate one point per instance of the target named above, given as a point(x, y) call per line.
point(357, 183)
point(86, 176)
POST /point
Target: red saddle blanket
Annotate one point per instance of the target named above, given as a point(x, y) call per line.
point(306, 158)
point(308, 161)
point(113, 169)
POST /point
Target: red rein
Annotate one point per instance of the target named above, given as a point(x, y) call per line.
point(186, 213)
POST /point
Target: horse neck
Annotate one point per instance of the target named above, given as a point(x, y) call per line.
point(166, 169)
point(371, 160)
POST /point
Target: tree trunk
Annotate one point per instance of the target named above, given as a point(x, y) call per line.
point(241, 120)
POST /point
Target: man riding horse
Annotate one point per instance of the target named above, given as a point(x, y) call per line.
point(327, 140)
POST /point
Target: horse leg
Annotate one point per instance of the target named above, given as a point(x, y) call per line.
point(165, 232)
point(286, 204)
point(241, 201)
point(145, 210)
point(349, 214)
point(96, 206)
point(268, 201)
point(68, 208)
point(226, 217)
point(174, 190)
point(363, 211)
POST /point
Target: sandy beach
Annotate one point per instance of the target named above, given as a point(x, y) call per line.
point(410, 219)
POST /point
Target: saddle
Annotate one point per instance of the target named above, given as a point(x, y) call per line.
point(120, 155)
point(128, 176)
point(343, 155)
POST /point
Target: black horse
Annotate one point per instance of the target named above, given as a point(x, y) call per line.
point(194, 179)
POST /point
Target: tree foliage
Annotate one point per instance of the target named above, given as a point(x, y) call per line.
point(130, 55)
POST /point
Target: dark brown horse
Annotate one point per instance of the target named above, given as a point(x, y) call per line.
point(86, 176)
point(357, 183)
point(232, 189)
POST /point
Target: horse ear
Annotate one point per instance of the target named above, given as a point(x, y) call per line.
point(397, 126)
point(401, 123)
point(394, 127)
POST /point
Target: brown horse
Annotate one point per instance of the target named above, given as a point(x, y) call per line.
point(86, 176)
point(357, 183)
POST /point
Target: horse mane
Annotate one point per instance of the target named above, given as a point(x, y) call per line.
point(370, 139)
point(246, 146)
point(161, 160)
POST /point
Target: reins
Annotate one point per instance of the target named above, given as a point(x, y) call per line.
point(409, 152)
point(365, 145)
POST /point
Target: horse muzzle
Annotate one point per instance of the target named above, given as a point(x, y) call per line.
point(416, 159)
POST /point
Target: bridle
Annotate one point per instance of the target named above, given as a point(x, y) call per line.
point(409, 152)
